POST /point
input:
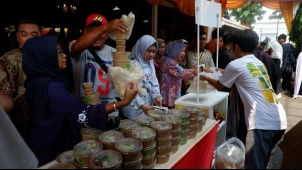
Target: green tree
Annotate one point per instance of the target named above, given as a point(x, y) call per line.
point(295, 34)
point(276, 15)
point(248, 13)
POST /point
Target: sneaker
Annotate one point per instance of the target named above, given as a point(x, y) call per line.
point(279, 96)
point(285, 91)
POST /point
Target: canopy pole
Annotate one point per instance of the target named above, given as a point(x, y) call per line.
point(217, 41)
point(154, 20)
point(198, 54)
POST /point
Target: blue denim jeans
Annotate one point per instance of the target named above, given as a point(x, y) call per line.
point(260, 145)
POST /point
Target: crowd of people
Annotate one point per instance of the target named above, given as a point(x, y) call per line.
point(41, 84)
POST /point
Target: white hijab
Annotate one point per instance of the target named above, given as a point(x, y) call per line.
point(277, 51)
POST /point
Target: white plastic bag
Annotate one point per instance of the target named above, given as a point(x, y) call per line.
point(129, 21)
point(121, 77)
point(230, 155)
point(204, 86)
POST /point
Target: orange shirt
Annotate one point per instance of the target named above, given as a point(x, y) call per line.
point(211, 46)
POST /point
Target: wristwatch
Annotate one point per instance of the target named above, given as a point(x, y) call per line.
point(201, 68)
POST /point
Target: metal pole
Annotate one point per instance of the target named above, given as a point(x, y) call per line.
point(217, 41)
point(277, 28)
point(154, 20)
point(198, 54)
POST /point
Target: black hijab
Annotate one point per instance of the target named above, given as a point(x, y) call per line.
point(40, 65)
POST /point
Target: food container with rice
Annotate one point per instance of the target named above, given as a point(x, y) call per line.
point(174, 120)
point(84, 150)
point(194, 111)
point(62, 166)
point(106, 159)
point(194, 121)
point(181, 113)
point(184, 140)
point(193, 128)
point(176, 133)
point(147, 160)
point(127, 126)
point(161, 159)
point(163, 141)
point(130, 149)
point(184, 133)
point(66, 157)
point(109, 138)
point(150, 166)
point(204, 115)
point(162, 150)
point(176, 141)
point(148, 151)
point(185, 126)
point(133, 165)
point(162, 129)
point(90, 134)
point(145, 135)
point(192, 134)
point(144, 120)
point(174, 149)
point(156, 114)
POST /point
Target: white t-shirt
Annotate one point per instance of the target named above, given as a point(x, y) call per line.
point(261, 106)
point(85, 69)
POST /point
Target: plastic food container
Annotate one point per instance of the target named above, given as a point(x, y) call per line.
point(204, 115)
point(133, 165)
point(161, 159)
point(156, 114)
point(184, 140)
point(185, 126)
point(150, 166)
point(193, 128)
point(194, 121)
point(145, 135)
point(81, 166)
point(120, 42)
point(84, 150)
point(174, 120)
point(176, 133)
point(148, 151)
point(66, 157)
point(144, 120)
point(200, 128)
point(174, 149)
point(162, 150)
point(201, 121)
point(176, 141)
point(163, 141)
point(192, 134)
point(109, 138)
point(184, 133)
point(63, 166)
point(162, 128)
point(181, 113)
point(90, 134)
point(148, 160)
point(120, 48)
point(87, 85)
point(106, 159)
point(92, 99)
point(130, 149)
point(127, 126)
point(120, 36)
point(194, 111)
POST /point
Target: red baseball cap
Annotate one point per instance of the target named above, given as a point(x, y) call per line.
point(95, 18)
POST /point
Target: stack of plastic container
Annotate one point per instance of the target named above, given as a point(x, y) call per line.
point(89, 96)
point(194, 123)
point(121, 58)
point(175, 121)
point(184, 115)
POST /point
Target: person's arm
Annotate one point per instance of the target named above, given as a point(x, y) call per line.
point(212, 82)
point(7, 102)
point(89, 38)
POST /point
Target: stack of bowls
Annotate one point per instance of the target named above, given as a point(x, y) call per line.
point(156, 114)
point(203, 116)
point(184, 115)
point(194, 123)
point(120, 41)
point(175, 121)
point(147, 136)
point(130, 149)
point(109, 138)
point(127, 126)
point(90, 134)
point(106, 159)
point(163, 131)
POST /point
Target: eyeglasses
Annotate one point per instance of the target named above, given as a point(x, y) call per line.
point(61, 53)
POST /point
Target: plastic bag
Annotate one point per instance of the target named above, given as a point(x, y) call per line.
point(230, 155)
point(129, 21)
point(204, 86)
point(121, 77)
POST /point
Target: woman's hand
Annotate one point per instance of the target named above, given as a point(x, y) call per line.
point(146, 108)
point(157, 102)
point(207, 69)
point(130, 92)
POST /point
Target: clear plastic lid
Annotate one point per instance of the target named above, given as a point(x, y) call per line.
point(170, 118)
point(88, 147)
point(129, 145)
point(143, 133)
point(90, 131)
point(156, 113)
point(144, 119)
point(180, 112)
point(106, 159)
point(128, 124)
point(202, 113)
point(191, 108)
point(161, 125)
point(66, 157)
point(111, 136)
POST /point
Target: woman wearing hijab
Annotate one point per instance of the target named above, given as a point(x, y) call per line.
point(170, 74)
point(144, 51)
point(159, 55)
point(54, 111)
point(277, 52)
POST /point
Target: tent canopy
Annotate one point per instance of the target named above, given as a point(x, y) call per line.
point(188, 6)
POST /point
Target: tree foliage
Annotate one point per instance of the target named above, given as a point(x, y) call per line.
point(248, 13)
point(276, 15)
point(295, 35)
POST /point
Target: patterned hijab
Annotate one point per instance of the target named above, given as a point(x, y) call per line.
point(40, 65)
point(174, 48)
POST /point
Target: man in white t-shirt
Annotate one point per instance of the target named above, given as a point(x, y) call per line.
point(265, 117)
point(85, 68)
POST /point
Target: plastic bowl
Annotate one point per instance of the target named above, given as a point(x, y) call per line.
point(129, 148)
point(106, 159)
point(84, 150)
point(109, 138)
point(145, 135)
point(127, 126)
